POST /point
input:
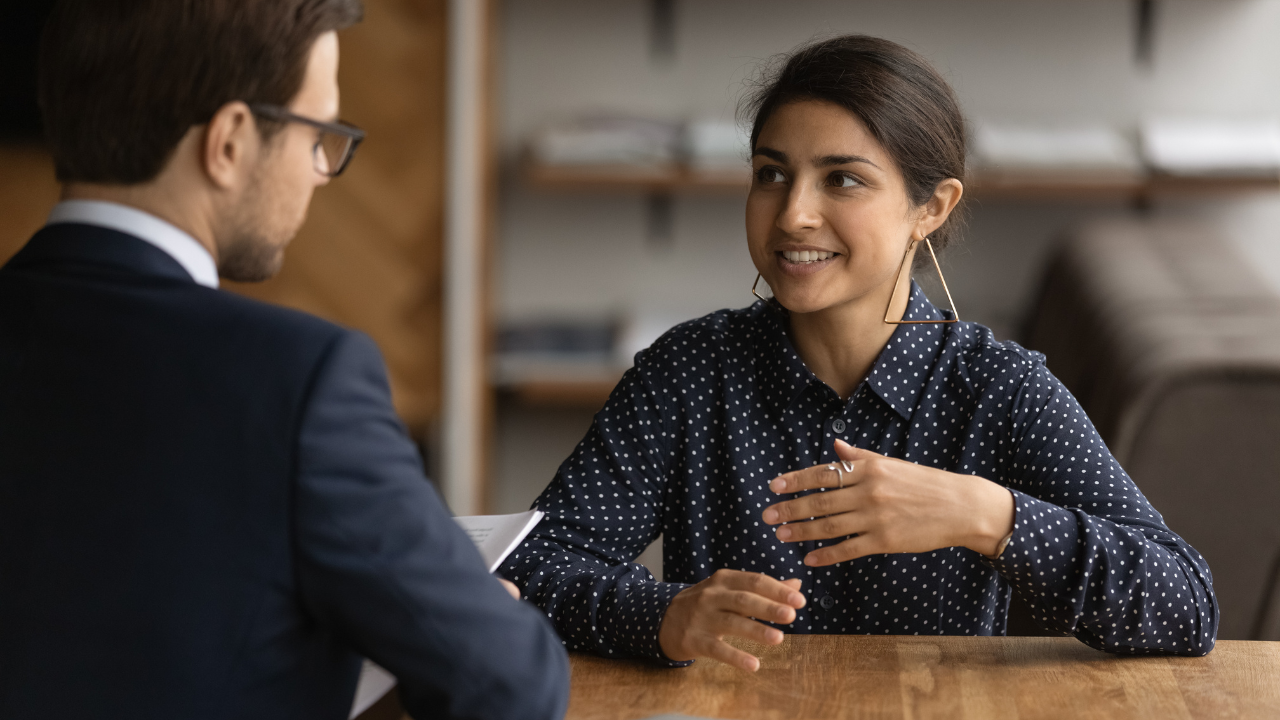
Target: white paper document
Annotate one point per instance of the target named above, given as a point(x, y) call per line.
point(495, 536)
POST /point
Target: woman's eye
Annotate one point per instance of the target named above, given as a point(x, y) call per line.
point(842, 180)
point(770, 174)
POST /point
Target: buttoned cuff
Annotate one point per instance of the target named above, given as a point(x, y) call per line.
point(633, 627)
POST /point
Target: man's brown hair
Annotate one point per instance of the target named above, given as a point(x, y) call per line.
point(122, 81)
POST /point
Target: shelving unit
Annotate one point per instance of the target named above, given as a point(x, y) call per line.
point(983, 184)
point(574, 386)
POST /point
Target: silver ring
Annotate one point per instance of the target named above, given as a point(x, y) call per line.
point(839, 475)
point(848, 466)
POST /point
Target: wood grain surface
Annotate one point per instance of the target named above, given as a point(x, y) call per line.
point(830, 676)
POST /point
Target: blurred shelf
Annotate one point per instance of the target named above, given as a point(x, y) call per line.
point(590, 394)
point(983, 184)
point(1210, 185)
point(988, 185)
point(556, 382)
point(666, 178)
point(1055, 185)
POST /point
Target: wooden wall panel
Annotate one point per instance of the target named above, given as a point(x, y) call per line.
point(369, 256)
point(28, 191)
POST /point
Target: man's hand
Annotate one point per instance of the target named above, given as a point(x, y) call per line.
point(724, 604)
point(889, 506)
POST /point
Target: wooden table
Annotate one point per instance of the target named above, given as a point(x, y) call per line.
point(833, 676)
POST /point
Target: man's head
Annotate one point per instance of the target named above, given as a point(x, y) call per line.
point(148, 102)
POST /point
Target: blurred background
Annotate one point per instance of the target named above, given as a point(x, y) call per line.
point(548, 185)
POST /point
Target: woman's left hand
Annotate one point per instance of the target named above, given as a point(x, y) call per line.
point(890, 506)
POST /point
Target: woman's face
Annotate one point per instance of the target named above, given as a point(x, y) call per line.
point(828, 218)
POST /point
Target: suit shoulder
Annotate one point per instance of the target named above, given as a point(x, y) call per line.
point(281, 330)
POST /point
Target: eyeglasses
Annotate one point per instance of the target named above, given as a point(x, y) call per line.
point(337, 144)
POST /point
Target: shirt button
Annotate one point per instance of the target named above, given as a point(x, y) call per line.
point(838, 425)
point(827, 602)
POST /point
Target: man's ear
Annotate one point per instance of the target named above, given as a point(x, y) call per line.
point(938, 208)
point(231, 144)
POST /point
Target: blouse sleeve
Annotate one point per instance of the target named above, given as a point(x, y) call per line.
point(603, 508)
point(1089, 554)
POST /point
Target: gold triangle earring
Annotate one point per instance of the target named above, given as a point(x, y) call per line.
point(753, 289)
point(904, 272)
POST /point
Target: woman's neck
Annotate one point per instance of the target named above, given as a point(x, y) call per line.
point(841, 343)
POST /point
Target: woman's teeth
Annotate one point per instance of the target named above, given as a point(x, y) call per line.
point(806, 256)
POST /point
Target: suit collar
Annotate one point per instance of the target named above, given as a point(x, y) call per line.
point(77, 246)
point(188, 251)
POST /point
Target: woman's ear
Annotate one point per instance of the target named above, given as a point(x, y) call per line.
point(946, 196)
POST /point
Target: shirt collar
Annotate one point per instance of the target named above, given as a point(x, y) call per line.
point(898, 376)
point(904, 366)
point(784, 374)
point(186, 250)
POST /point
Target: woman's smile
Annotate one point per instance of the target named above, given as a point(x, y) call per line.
point(804, 262)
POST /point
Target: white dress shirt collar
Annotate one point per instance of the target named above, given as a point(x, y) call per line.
point(183, 248)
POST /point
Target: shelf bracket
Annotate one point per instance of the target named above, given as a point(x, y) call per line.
point(662, 30)
point(660, 219)
point(1144, 40)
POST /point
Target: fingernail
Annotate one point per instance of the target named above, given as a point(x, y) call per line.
point(770, 516)
point(784, 532)
point(753, 664)
point(796, 600)
point(777, 485)
point(775, 637)
point(808, 560)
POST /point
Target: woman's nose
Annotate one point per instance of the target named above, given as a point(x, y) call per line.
point(801, 211)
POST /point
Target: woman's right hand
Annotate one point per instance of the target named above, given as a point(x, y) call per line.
point(724, 604)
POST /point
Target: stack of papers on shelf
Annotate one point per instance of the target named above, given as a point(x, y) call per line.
point(1063, 150)
point(716, 146)
point(557, 350)
point(1200, 147)
point(607, 141)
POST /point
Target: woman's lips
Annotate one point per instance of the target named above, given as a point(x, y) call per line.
point(803, 267)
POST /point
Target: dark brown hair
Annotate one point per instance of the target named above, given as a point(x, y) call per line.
point(903, 101)
point(121, 81)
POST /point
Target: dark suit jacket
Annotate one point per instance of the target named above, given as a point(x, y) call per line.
point(208, 509)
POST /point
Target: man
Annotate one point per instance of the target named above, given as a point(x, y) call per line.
point(208, 508)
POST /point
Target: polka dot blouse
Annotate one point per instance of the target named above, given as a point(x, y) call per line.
point(719, 406)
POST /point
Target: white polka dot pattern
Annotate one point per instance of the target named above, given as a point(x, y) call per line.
point(721, 405)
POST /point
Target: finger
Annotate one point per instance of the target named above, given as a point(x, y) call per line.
point(745, 603)
point(850, 549)
point(747, 629)
point(764, 586)
point(845, 451)
point(810, 478)
point(811, 506)
point(824, 528)
point(713, 647)
point(793, 583)
point(511, 588)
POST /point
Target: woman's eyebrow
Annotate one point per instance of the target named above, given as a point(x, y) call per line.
point(829, 160)
point(771, 154)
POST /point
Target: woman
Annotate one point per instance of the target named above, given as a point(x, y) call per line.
point(847, 458)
